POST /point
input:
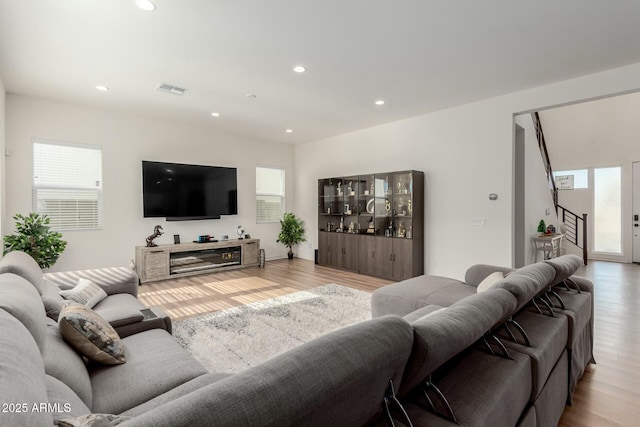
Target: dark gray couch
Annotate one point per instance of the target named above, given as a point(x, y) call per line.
point(549, 332)
point(365, 374)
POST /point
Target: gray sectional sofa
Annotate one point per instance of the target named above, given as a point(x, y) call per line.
point(452, 352)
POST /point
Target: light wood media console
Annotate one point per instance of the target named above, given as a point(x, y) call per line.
point(186, 259)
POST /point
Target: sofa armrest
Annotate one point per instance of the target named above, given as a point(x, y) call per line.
point(114, 280)
point(477, 273)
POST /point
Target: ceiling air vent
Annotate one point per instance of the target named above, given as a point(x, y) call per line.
point(166, 87)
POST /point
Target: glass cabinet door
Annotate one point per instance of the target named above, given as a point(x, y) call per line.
point(366, 204)
point(403, 204)
point(350, 205)
point(383, 204)
point(329, 204)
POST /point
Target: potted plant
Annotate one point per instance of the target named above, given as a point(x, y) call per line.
point(34, 236)
point(542, 228)
point(292, 232)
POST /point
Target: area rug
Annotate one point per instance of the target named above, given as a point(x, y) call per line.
point(232, 340)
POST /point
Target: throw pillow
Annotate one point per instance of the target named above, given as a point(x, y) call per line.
point(51, 299)
point(85, 292)
point(489, 281)
point(91, 335)
point(94, 420)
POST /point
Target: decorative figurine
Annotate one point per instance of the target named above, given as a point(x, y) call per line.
point(157, 232)
point(372, 227)
point(339, 190)
point(401, 231)
point(409, 207)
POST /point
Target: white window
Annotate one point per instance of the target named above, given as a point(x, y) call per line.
point(580, 178)
point(269, 194)
point(607, 210)
point(67, 184)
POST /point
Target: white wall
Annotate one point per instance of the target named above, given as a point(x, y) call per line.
point(2, 161)
point(601, 133)
point(126, 140)
point(466, 153)
point(538, 199)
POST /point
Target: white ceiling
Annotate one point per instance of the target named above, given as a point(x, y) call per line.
point(417, 55)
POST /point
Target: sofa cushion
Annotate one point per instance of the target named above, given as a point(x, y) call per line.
point(114, 280)
point(21, 300)
point(120, 309)
point(565, 266)
point(65, 402)
point(155, 364)
point(174, 393)
point(409, 295)
point(22, 377)
point(422, 312)
point(90, 334)
point(478, 272)
point(62, 362)
point(20, 263)
point(483, 390)
point(549, 406)
point(51, 299)
point(338, 379)
point(85, 292)
point(527, 282)
point(441, 336)
point(93, 420)
point(548, 339)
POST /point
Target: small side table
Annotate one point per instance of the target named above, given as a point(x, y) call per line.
point(548, 245)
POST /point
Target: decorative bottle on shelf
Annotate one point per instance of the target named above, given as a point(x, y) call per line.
point(386, 185)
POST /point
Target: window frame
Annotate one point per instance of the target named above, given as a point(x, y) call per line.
point(77, 223)
point(267, 194)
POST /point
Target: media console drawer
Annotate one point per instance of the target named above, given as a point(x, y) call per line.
point(167, 261)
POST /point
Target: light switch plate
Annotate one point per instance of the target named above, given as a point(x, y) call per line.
point(479, 221)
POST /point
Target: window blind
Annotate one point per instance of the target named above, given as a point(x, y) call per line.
point(67, 184)
point(269, 194)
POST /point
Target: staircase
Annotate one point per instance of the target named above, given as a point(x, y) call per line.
point(575, 225)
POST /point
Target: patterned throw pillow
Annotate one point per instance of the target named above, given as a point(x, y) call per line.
point(94, 420)
point(85, 292)
point(91, 335)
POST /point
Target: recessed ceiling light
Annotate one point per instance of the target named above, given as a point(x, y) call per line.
point(215, 114)
point(299, 69)
point(102, 88)
point(289, 131)
point(379, 102)
point(146, 5)
point(250, 95)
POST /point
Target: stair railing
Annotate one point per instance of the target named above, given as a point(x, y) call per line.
point(575, 229)
point(575, 225)
point(545, 158)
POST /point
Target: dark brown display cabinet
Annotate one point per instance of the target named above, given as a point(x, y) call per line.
point(373, 224)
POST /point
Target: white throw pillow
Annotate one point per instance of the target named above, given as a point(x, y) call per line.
point(85, 292)
point(489, 281)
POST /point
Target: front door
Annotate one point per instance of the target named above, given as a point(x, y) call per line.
point(635, 224)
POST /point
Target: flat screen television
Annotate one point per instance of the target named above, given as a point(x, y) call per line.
point(183, 192)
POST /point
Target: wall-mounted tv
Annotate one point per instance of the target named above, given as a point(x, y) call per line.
point(183, 192)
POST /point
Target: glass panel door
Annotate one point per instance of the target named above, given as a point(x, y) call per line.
point(607, 210)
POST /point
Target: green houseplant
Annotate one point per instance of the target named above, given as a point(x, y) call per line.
point(542, 228)
point(34, 236)
point(292, 232)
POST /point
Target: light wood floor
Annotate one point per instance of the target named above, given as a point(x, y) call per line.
point(607, 395)
point(195, 295)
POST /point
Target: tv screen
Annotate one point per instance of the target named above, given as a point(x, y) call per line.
point(182, 192)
